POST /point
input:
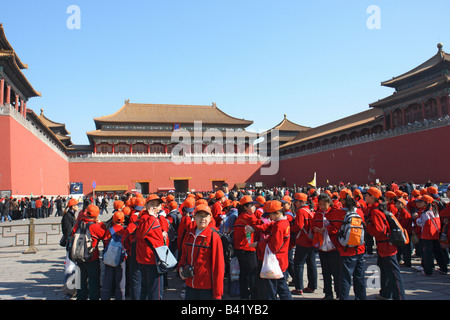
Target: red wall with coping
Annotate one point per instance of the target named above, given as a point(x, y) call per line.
point(413, 157)
point(5, 156)
point(158, 174)
point(34, 167)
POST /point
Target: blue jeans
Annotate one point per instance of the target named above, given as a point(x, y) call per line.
point(305, 255)
point(352, 267)
point(89, 272)
point(277, 286)
point(114, 277)
point(390, 278)
point(152, 282)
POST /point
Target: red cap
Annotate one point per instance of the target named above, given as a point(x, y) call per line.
point(126, 211)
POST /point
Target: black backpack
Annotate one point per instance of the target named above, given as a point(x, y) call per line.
point(227, 244)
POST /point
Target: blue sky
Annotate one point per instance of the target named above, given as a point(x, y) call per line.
point(316, 61)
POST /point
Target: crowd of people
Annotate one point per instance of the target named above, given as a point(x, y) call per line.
point(14, 208)
point(213, 234)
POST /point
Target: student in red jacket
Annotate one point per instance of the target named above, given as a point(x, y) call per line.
point(202, 263)
point(114, 277)
point(90, 271)
point(405, 219)
point(246, 254)
point(304, 250)
point(278, 243)
point(149, 235)
point(390, 277)
point(351, 258)
point(329, 260)
point(429, 224)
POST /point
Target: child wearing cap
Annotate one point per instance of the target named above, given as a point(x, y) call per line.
point(202, 262)
point(278, 242)
point(405, 219)
point(329, 260)
point(114, 276)
point(90, 271)
point(245, 253)
point(429, 224)
point(304, 250)
point(149, 235)
point(390, 277)
point(351, 258)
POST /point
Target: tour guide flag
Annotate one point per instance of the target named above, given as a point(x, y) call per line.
point(313, 183)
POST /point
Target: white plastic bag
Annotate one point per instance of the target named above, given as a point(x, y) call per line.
point(234, 269)
point(271, 267)
point(69, 266)
point(327, 244)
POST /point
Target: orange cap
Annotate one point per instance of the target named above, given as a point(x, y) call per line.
point(375, 192)
point(126, 211)
point(425, 198)
point(202, 208)
point(300, 197)
point(399, 193)
point(344, 192)
point(246, 199)
point(390, 194)
point(219, 194)
point(198, 196)
point(172, 205)
point(189, 204)
point(357, 192)
point(260, 199)
point(118, 217)
point(153, 197)
point(72, 202)
point(273, 206)
point(118, 204)
point(432, 190)
point(402, 201)
point(423, 191)
point(170, 197)
point(415, 193)
point(286, 199)
point(227, 203)
point(201, 201)
point(139, 203)
point(92, 211)
point(311, 191)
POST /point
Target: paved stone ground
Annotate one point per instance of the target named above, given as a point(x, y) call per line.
point(39, 276)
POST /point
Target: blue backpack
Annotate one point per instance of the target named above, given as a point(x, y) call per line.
point(114, 252)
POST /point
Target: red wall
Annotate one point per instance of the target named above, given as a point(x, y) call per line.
point(158, 173)
point(414, 157)
point(5, 156)
point(34, 166)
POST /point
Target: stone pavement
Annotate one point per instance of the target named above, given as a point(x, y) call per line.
point(40, 276)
